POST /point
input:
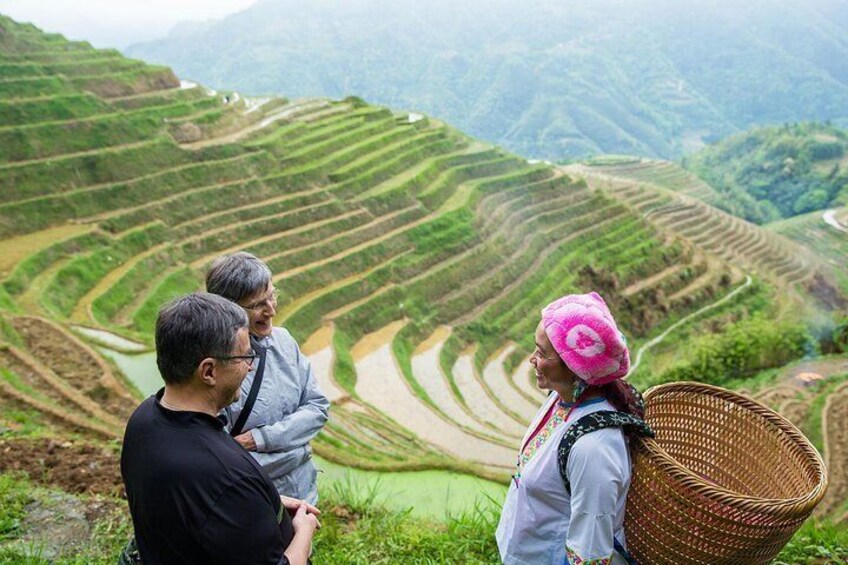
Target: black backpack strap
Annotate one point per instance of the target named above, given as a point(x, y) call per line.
point(592, 423)
point(254, 389)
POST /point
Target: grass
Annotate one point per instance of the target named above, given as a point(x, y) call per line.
point(343, 368)
point(358, 529)
point(13, 498)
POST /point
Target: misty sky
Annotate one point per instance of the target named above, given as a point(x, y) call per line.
point(116, 23)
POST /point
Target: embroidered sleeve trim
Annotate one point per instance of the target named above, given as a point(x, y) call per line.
point(575, 559)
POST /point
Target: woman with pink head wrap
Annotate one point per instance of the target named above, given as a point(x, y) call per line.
point(565, 504)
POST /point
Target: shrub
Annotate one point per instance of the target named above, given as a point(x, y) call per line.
point(743, 350)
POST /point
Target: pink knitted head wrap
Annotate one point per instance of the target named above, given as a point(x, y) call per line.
point(584, 334)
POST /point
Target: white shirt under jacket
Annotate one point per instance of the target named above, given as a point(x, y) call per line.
point(540, 520)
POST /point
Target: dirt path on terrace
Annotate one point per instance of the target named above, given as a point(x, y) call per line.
point(684, 320)
point(380, 383)
point(359, 247)
point(276, 116)
point(376, 221)
point(428, 373)
point(202, 261)
point(829, 218)
point(319, 349)
point(650, 281)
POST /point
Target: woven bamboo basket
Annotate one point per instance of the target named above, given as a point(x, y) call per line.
point(725, 481)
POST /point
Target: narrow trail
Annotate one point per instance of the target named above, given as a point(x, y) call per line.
point(30, 300)
point(246, 245)
point(644, 283)
point(684, 320)
point(282, 114)
point(835, 438)
point(829, 218)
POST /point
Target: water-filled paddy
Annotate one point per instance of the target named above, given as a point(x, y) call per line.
point(111, 340)
point(426, 493)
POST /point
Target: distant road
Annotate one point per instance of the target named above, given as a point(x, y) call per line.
point(829, 218)
point(685, 319)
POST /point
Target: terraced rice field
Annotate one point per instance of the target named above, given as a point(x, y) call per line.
point(817, 407)
point(823, 233)
point(661, 173)
point(413, 260)
point(732, 239)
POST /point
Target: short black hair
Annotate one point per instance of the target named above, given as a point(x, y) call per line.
point(191, 328)
point(237, 276)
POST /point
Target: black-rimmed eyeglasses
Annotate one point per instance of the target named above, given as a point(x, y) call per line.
point(250, 358)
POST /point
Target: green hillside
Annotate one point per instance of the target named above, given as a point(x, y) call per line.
point(768, 174)
point(544, 78)
point(824, 233)
point(413, 261)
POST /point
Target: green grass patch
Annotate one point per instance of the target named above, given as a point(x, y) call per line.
point(175, 284)
point(344, 370)
point(14, 496)
point(817, 542)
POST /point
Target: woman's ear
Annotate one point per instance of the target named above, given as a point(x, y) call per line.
point(207, 371)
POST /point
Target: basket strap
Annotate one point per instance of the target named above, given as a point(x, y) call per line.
point(592, 423)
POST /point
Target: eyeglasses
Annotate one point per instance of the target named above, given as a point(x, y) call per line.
point(271, 300)
point(250, 359)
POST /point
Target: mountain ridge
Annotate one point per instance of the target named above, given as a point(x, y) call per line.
point(546, 80)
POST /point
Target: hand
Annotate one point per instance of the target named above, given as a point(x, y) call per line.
point(293, 504)
point(304, 521)
point(246, 441)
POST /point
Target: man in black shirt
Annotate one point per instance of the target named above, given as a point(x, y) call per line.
point(195, 495)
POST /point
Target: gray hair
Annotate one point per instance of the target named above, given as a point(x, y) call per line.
point(193, 328)
point(237, 276)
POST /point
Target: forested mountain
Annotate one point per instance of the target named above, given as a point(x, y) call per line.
point(544, 78)
point(769, 174)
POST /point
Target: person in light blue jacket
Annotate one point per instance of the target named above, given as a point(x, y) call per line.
point(289, 409)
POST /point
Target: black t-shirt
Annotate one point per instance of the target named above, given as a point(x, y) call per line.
point(195, 495)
